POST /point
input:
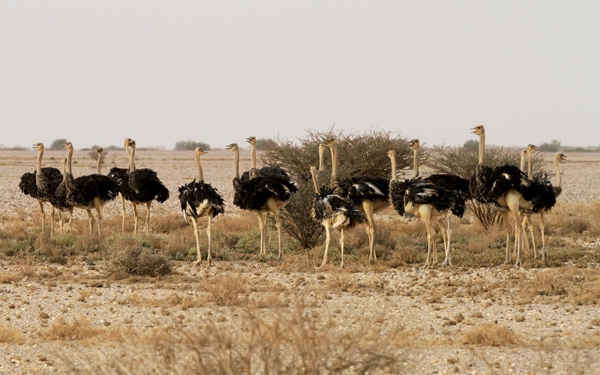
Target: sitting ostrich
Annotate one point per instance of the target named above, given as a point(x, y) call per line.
point(41, 185)
point(200, 199)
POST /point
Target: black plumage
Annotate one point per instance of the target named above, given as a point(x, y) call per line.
point(198, 199)
point(490, 184)
point(331, 206)
point(546, 193)
point(58, 200)
point(451, 182)
point(359, 189)
point(417, 191)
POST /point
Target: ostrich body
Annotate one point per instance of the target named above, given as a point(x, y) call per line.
point(369, 195)
point(41, 185)
point(546, 197)
point(140, 186)
point(508, 188)
point(59, 200)
point(333, 211)
point(267, 192)
point(451, 183)
point(200, 199)
point(424, 199)
point(87, 192)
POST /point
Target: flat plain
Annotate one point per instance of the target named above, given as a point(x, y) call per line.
point(73, 303)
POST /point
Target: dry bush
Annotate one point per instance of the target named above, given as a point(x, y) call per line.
point(128, 257)
point(282, 344)
point(77, 329)
point(11, 335)
point(358, 155)
point(9, 277)
point(225, 291)
point(167, 224)
point(491, 335)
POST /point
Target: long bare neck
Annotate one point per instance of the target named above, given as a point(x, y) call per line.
point(199, 166)
point(558, 186)
point(69, 158)
point(522, 165)
point(252, 160)
point(415, 162)
point(313, 172)
point(39, 162)
point(481, 147)
point(99, 165)
point(321, 151)
point(393, 159)
point(529, 164)
point(236, 163)
point(131, 162)
point(334, 166)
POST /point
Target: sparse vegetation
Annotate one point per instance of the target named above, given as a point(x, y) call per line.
point(190, 145)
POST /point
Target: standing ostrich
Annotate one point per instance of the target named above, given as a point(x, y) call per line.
point(333, 211)
point(424, 199)
point(200, 199)
point(120, 175)
point(369, 194)
point(143, 186)
point(59, 200)
point(508, 188)
point(87, 192)
point(448, 182)
point(41, 185)
point(546, 198)
point(267, 192)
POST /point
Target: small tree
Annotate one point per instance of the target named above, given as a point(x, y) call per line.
point(58, 144)
point(462, 162)
point(93, 153)
point(190, 145)
point(358, 155)
point(471, 145)
point(265, 144)
point(550, 147)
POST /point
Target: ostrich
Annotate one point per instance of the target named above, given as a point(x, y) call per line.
point(424, 199)
point(41, 185)
point(448, 182)
point(546, 198)
point(200, 199)
point(120, 175)
point(59, 200)
point(87, 192)
point(508, 188)
point(369, 194)
point(143, 186)
point(333, 211)
point(267, 192)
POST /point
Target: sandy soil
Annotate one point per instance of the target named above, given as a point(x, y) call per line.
point(439, 304)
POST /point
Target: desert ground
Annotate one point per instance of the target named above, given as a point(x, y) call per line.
point(77, 304)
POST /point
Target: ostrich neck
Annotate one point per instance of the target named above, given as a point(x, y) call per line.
point(69, 158)
point(321, 151)
point(252, 160)
point(530, 165)
point(200, 174)
point(481, 147)
point(39, 162)
point(99, 165)
point(558, 178)
point(313, 173)
point(236, 164)
point(131, 162)
point(415, 162)
point(334, 169)
point(394, 176)
point(522, 166)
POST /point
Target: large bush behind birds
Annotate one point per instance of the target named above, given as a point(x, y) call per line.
point(358, 155)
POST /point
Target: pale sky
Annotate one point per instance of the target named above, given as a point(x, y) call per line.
point(95, 72)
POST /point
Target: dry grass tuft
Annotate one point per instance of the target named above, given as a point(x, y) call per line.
point(132, 258)
point(77, 329)
point(11, 335)
point(225, 291)
point(491, 335)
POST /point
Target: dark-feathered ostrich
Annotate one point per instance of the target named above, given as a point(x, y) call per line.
point(59, 199)
point(141, 186)
point(545, 199)
point(41, 185)
point(508, 188)
point(87, 192)
point(200, 199)
point(267, 192)
point(333, 211)
point(120, 175)
point(369, 194)
point(427, 201)
point(451, 183)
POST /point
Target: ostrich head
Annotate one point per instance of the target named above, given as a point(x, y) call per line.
point(329, 142)
point(392, 153)
point(68, 146)
point(251, 140)
point(414, 144)
point(531, 148)
point(126, 143)
point(199, 151)
point(39, 146)
point(478, 130)
point(232, 147)
point(560, 156)
point(100, 151)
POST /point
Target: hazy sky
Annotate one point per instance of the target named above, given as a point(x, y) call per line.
point(95, 72)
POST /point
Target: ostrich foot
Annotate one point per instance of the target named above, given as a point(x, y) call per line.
point(446, 263)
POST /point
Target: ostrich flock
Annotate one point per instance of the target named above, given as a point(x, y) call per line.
point(342, 203)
